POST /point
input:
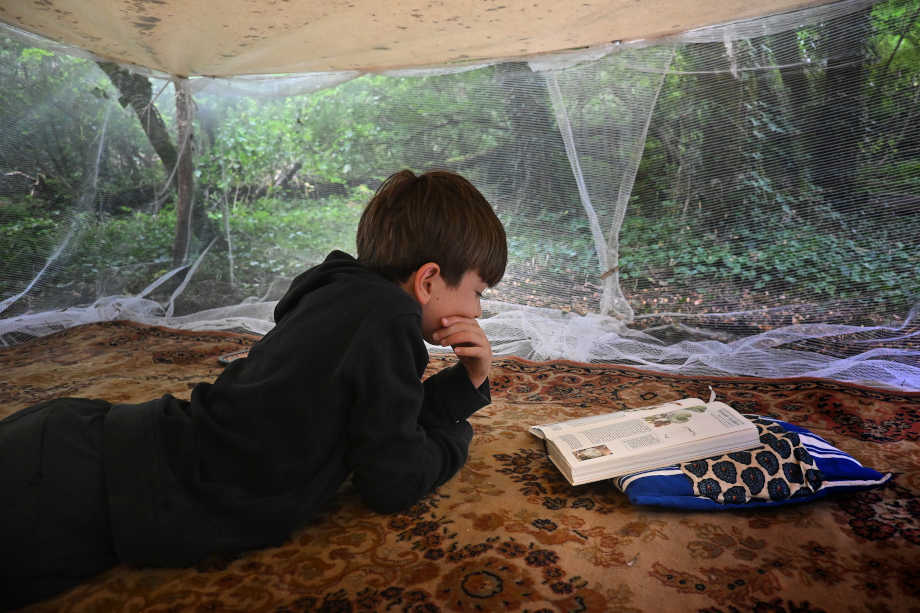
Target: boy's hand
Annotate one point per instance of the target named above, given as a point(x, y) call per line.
point(469, 342)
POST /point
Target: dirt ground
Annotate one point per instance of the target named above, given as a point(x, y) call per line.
point(722, 313)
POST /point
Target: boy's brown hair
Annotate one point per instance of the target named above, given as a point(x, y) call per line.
point(437, 217)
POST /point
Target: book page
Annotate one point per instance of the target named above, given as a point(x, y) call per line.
point(601, 434)
point(636, 432)
point(626, 415)
point(602, 446)
point(729, 418)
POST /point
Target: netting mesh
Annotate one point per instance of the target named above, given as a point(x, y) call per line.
point(737, 200)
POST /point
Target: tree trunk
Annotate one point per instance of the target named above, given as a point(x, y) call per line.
point(796, 97)
point(185, 171)
point(835, 149)
point(537, 171)
point(715, 139)
point(137, 92)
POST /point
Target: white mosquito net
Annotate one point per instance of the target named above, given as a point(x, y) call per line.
point(740, 199)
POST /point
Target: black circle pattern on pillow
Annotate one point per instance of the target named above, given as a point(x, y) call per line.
point(780, 469)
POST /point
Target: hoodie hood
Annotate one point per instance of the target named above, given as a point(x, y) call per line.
point(336, 263)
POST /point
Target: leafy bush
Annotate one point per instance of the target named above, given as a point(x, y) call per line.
point(273, 238)
point(269, 239)
point(801, 261)
point(25, 239)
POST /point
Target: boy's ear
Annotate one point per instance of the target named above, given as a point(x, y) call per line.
point(421, 282)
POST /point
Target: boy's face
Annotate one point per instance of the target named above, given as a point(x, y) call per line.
point(445, 301)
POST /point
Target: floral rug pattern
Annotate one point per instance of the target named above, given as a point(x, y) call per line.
point(508, 533)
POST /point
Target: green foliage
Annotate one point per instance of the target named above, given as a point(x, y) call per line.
point(569, 247)
point(55, 110)
point(356, 132)
point(801, 261)
point(896, 46)
point(124, 243)
point(25, 239)
point(279, 239)
point(270, 239)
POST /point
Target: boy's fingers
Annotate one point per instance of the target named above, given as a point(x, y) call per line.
point(457, 320)
point(469, 352)
point(462, 337)
point(475, 352)
point(447, 321)
point(446, 332)
point(461, 325)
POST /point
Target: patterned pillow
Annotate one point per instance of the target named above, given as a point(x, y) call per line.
point(792, 465)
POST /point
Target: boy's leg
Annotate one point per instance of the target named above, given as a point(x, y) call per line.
point(54, 521)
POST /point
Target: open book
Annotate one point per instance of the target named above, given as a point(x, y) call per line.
point(603, 446)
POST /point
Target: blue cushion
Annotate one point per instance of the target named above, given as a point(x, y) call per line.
point(793, 465)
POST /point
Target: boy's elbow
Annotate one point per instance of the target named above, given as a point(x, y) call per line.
point(393, 486)
point(387, 506)
point(391, 496)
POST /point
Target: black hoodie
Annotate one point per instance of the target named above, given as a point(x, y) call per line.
point(333, 390)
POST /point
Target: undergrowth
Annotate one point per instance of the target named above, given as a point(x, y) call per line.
point(272, 240)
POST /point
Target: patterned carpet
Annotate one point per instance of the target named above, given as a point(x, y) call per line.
point(508, 533)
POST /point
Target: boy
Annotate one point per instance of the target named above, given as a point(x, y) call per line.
point(332, 390)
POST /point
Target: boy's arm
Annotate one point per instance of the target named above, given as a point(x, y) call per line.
point(450, 397)
point(398, 457)
point(455, 393)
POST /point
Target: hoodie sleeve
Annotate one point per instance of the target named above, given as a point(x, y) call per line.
point(394, 458)
point(450, 397)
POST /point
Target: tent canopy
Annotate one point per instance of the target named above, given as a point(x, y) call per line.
point(243, 37)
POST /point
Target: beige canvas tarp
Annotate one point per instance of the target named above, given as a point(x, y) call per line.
point(244, 37)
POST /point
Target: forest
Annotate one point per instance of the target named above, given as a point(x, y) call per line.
point(792, 179)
